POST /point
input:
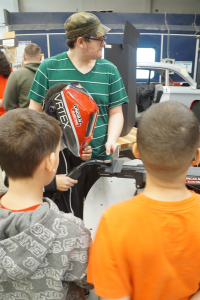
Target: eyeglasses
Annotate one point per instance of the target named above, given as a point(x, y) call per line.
point(102, 40)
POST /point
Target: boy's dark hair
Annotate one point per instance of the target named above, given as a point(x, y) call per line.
point(168, 138)
point(5, 68)
point(71, 41)
point(26, 137)
point(53, 90)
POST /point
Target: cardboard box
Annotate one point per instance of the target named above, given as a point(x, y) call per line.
point(9, 56)
point(9, 35)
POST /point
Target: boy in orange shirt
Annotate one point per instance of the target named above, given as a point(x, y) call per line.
point(148, 247)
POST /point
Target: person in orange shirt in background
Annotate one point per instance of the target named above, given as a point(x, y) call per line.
point(5, 71)
point(148, 247)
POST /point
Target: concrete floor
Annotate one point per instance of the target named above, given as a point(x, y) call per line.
point(93, 296)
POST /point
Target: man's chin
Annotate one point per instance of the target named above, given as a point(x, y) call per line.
point(100, 55)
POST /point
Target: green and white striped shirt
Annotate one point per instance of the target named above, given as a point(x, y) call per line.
point(103, 82)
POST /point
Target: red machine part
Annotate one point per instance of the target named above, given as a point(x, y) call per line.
point(84, 112)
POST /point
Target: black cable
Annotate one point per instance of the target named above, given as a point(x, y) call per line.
point(76, 172)
point(194, 188)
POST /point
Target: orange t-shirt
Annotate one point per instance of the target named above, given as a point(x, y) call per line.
point(147, 249)
point(3, 82)
point(25, 209)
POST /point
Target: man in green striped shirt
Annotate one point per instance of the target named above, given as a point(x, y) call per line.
point(83, 64)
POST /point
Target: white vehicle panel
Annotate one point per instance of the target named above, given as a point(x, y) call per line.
point(183, 94)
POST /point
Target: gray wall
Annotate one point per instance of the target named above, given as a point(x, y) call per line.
point(176, 6)
point(10, 5)
point(132, 6)
point(138, 6)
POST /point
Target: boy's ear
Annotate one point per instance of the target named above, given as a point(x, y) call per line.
point(196, 161)
point(50, 162)
point(135, 150)
point(79, 42)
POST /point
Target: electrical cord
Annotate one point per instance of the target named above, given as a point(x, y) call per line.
point(76, 172)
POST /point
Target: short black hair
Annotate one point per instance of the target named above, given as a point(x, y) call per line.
point(26, 136)
point(53, 90)
point(71, 42)
point(168, 138)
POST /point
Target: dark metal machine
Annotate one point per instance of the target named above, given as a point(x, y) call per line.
point(117, 169)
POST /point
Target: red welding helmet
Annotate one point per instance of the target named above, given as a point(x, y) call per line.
point(77, 112)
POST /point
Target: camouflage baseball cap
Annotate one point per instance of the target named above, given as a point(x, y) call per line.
point(84, 23)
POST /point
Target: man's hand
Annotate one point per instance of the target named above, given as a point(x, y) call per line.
point(115, 124)
point(86, 153)
point(63, 183)
point(110, 147)
point(1, 102)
